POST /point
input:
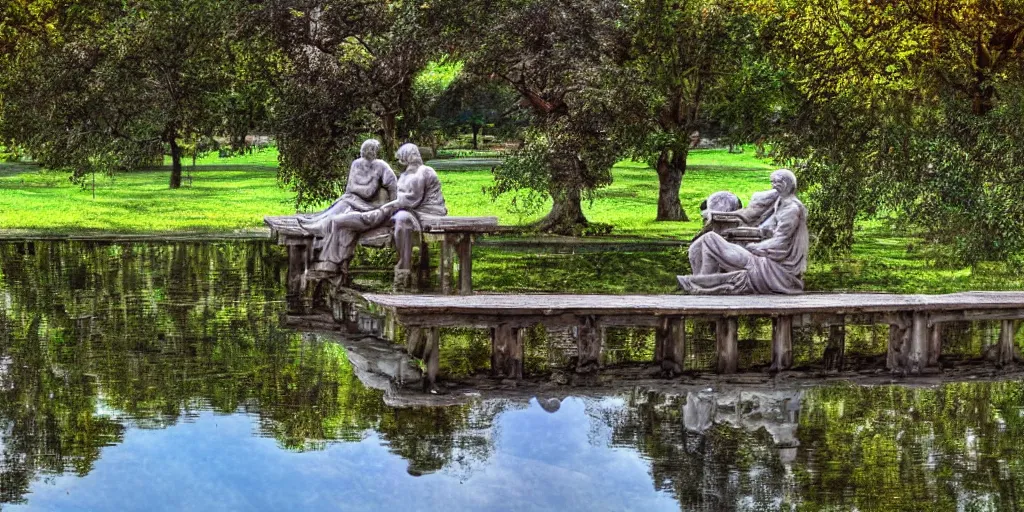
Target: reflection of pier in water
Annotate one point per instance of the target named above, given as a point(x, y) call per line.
point(920, 328)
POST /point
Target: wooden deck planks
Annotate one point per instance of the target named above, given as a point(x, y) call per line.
point(689, 305)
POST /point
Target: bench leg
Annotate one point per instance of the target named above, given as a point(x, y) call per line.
point(423, 277)
point(444, 271)
point(433, 359)
point(782, 344)
point(726, 333)
point(465, 250)
point(670, 345)
point(415, 342)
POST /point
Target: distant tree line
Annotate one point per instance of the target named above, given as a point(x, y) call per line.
point(901, 110)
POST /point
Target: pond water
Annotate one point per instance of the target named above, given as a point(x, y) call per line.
point(162, 377)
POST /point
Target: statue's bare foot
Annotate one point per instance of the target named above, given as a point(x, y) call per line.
point(309, 225)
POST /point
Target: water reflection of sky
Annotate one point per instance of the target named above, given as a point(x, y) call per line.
point(541, 461)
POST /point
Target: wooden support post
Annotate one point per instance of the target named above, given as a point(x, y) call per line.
point(516, 353)
point(432, 357)
point(726, 332)
point(835, 351)
point(934, 344)
point(444, 271)
point(500, 341)
point(465, 251)
point(296, 278)
point(670, 345)
point(917, 357)
point(423, 276)
point(1005, 349)
point(341, 307)
point(588, 344)
point(782, 343)
point(659, 340)
point(899, 340)
point(415, 342)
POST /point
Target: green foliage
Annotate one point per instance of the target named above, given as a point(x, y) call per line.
point(700, 67)
point(102, 88)
point(908, 111)
point(349, 72)
point(566, 80)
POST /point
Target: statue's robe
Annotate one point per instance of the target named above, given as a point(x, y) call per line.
point(370, 184)
point(721, 267)
point(418, 195)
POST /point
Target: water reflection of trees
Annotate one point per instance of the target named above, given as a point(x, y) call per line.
point(957, 447)
point(953, 447)
point(94, 337)
point(712, 465)
point(97, 336)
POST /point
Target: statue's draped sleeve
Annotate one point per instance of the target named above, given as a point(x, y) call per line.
point(388, 181)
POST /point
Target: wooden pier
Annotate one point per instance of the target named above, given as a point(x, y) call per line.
point(914, 336)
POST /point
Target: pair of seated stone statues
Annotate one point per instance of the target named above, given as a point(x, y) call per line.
point(759, 249)
point(375, 199)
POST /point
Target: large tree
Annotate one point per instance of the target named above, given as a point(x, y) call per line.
point(348, 73)
point(106, 84)
point(701, 64)
point(908, 111)
point(559, 56)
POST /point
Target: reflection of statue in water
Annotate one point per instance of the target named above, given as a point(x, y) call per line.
point(418, 196)
point(368, 179)
point(775, 264)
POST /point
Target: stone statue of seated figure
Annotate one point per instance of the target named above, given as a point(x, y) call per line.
point(418, 195)
point(369, 178)
point(770, 255)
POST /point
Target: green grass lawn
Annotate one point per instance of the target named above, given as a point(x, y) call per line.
point(233, 194)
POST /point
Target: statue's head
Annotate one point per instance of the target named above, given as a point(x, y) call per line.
point(369, 149)
point(409, 154)
point(784, 181)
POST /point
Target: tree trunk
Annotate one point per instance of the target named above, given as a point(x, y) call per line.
point(671, 167)
point(566, 215)
point(476, 130)
point(175, 160)
point(390, 135)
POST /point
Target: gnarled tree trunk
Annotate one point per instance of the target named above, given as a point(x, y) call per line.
point(566, 215)
point(671, 168)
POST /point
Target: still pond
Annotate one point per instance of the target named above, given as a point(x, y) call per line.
point(162, 376)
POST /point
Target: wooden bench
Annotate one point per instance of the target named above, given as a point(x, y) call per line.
point(455, 234)
point(914, 336)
